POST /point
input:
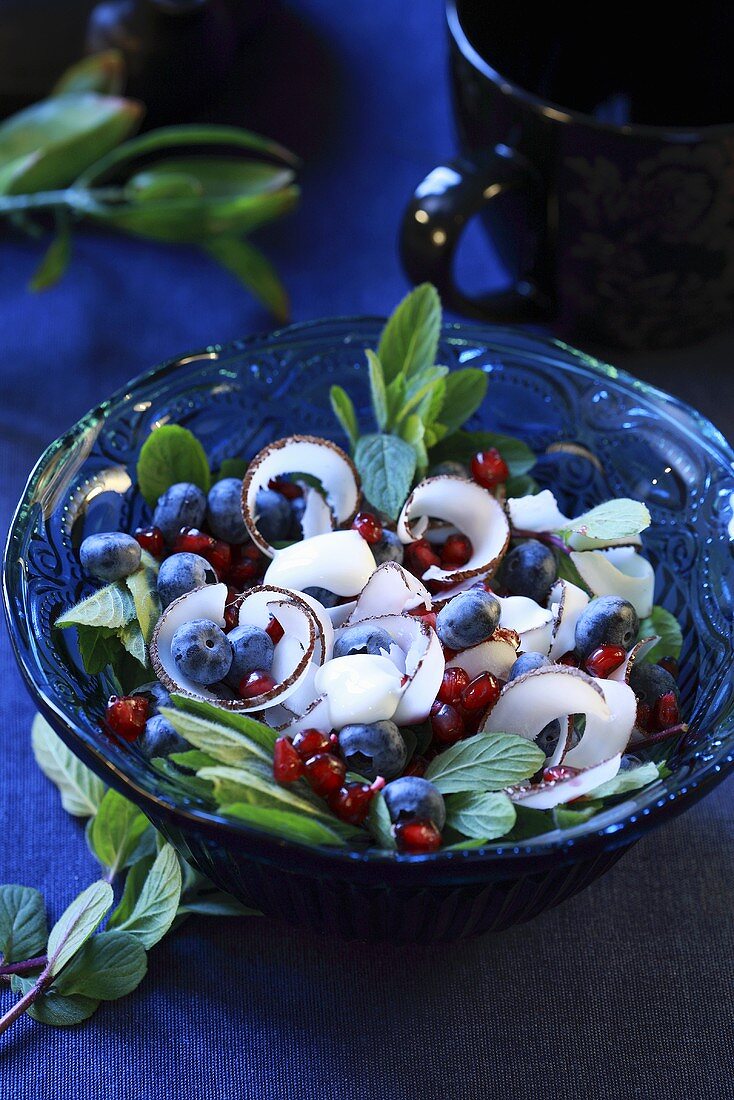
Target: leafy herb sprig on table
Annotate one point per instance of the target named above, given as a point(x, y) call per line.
point(68, 156)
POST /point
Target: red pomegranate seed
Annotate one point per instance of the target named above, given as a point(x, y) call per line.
point(255, 683)
point(559, 771)
point(420, 556)
point(446, 723)
point(351, 802)
point(325, 772)
point(427, 617)
point(417, 836)
point(219, 557)
point(231, 609)
point(670, 665)
point(417, 766)
point(644, 716)
point(666, 712)
point(368, 526)
point(453, 683)
point(569, 659)
point(602, 661)
point(151, 539)
point(456, 551)
point(274, 631)
point(287, 764)
point(489, 468)
point(287, 489)
point(243, 573)
point(310, 743)
point(127, 715)
point(482, 693)
point(192, 541)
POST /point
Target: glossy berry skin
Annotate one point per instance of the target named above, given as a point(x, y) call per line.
point(372, 749)
point(190, 540)
point(159, 738)
point(126, 715)
point(224, 511)
point(308, 743)
point(411, 798)
point(287, 764)
point(527, 662)
point(447, 725)
point(455, 552)
point(529, 570)
point(570, 660)
point(273, 516)
point(257, 682)
point(156, 694)
point(417, 837)
point(150, 539)
point(202, 651)
point(110, 556)
point(547, 739)
point(606, 620)
point(182, 505)
point(182, 573)
point(666, 712)
point(468, 619)
point(368, 526)
point(251, 648)
point(274, 631)
point(649, 682)
point(362, 638)
point(453, 683)
point(489, 469)
point(670, 665)
point(602, 661)
point(389, 548)
point(325, 772)
point(351, 803)
point(482, 693)
point(419, 556)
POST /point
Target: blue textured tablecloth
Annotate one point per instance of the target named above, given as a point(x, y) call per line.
point(626, 991)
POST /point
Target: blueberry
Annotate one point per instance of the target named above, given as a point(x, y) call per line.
point(202, 651)
point(182, 505)
point(156, 693)
point(454, 469)
point(160, 738)
point(111, 556)
point(547, 739)
point(251, 648)
point(362, 638)
point(323, 595)
point(298, 507)
point(529, 570)
point(389, 548)
point(224, 511)
point(273, 516)
point(649, 682)
point(468, 619)
point(527, 662)
point(374, 749)
point(606, 620)
point(182, 573)
point(411, 798)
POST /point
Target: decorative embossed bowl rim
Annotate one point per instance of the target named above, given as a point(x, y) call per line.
point(271, 384)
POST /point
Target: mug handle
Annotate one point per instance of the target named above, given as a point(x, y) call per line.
point(439, 211)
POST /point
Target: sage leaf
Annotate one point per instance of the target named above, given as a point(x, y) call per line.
point(461, 445)
point(102, 72)
point(631, 780)
point(480, 815)
point(409, 340)
point(343, 409)
point(157, 903)
point(465, 391)
point(254, 271)
point(379, 824)
point(386, 465)
point(485, 762)
point(226, 745)
point(80, 789)
point(284, 824)
point(614, 519)
point(54, 1008)
point(249, 727)
point(377, 389)
point(111, 608)
point(23, 928)
point(77, 923)
point(662, 623)
point(106, 966)
point(116, 831)
point(169, 455)
point(143, 589)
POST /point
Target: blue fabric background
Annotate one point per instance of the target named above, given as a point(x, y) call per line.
point(626, 991)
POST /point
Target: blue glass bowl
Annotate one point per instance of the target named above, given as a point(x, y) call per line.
point(238, 397)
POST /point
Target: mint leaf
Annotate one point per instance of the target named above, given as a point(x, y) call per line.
point(615, 519)
point(567, 571)
point(631, 780)
point(133, 641)
point(80, 789)
point(111, 607)
point(144, 591)
point(420, 388)
point(480, 815)
point(409, 340)
point(192, 759)
point(255, 784)
point(77, 923)
point(262, 735)
point(485, 762)
point(284, 823)
point(343, 409)
point(377, 389)
point(521, 486)
point(171, 454)
point(217, 904)
point(105, 967)
point(116, 831)
point(386, 466)
point(232, 467)
point(379, 823)
point(429, 407)
point(413, 431)
point(462, 845)
point(157, 903)
point(226, 745)
point(98, 647)
point(465, 391)
point(566, 818)
point(54, 1008)
point(134, 882)
point(23, 928)
point(661, 622)
point(461, 445)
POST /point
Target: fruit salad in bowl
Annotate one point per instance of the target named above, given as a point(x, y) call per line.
point(385, 664)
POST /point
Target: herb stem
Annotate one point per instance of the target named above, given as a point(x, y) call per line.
point(72, 198)
point(21, 967)
point(27, 999)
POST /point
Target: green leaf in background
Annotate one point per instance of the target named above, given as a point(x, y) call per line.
point(132, 639)
point(232, 467)
point(116, 831)
point(386, 466)
point(171, 454)
point(217, 904)
point(80, 789)
point(227, 745)
point(212, 177)
point(54, 1008)
point(144, 591)
point(523, 485)
point(567, 571)
point(614, 519)
point(409, 341)
point(192, 759)
point(343, 409)
point(77, 923)
point(284, 824)
point(483, 816)
point(465, 391)
point(102, 72)
point(485, 762)
point(262, 735)
point(157, 902)
point(253, 270)
point(662, 623)
point(567, 817)
point(413, 431)
point(55, 262)
point(111, 608)
point(106, 966)
point(631, 780)
point(98, 647)
point(461, 445)
point(23, 928)
point(379, 823)
point(377, 389)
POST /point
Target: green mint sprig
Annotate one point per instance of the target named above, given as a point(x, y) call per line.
point(667, 627)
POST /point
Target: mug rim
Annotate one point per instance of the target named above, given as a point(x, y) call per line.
point(555, 112)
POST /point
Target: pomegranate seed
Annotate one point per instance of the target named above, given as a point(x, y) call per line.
point(417, 766)
point(569, 659)
point(219, 557)
point(482, 693)
point(420, 556)
point(488, 468)
point(456, 551)
point(310, 743)
point(644, 716)
point(427, 617)
point(287, 764)
point(255, 683)
point(192, 541)
point(325, 772)
point(274, 631)
point(603, 660)
point(670, 665)
point(127, 714)
point(287, 489)
point(151, 539)
point(559, 771)
point(453, 683)
point(446, 723)
point(368, 526)
point(351, 803)
point(242, 573)
point(417, 836)
point(231, 609)
point(666, 712)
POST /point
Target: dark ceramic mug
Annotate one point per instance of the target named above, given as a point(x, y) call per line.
point(613, 214)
